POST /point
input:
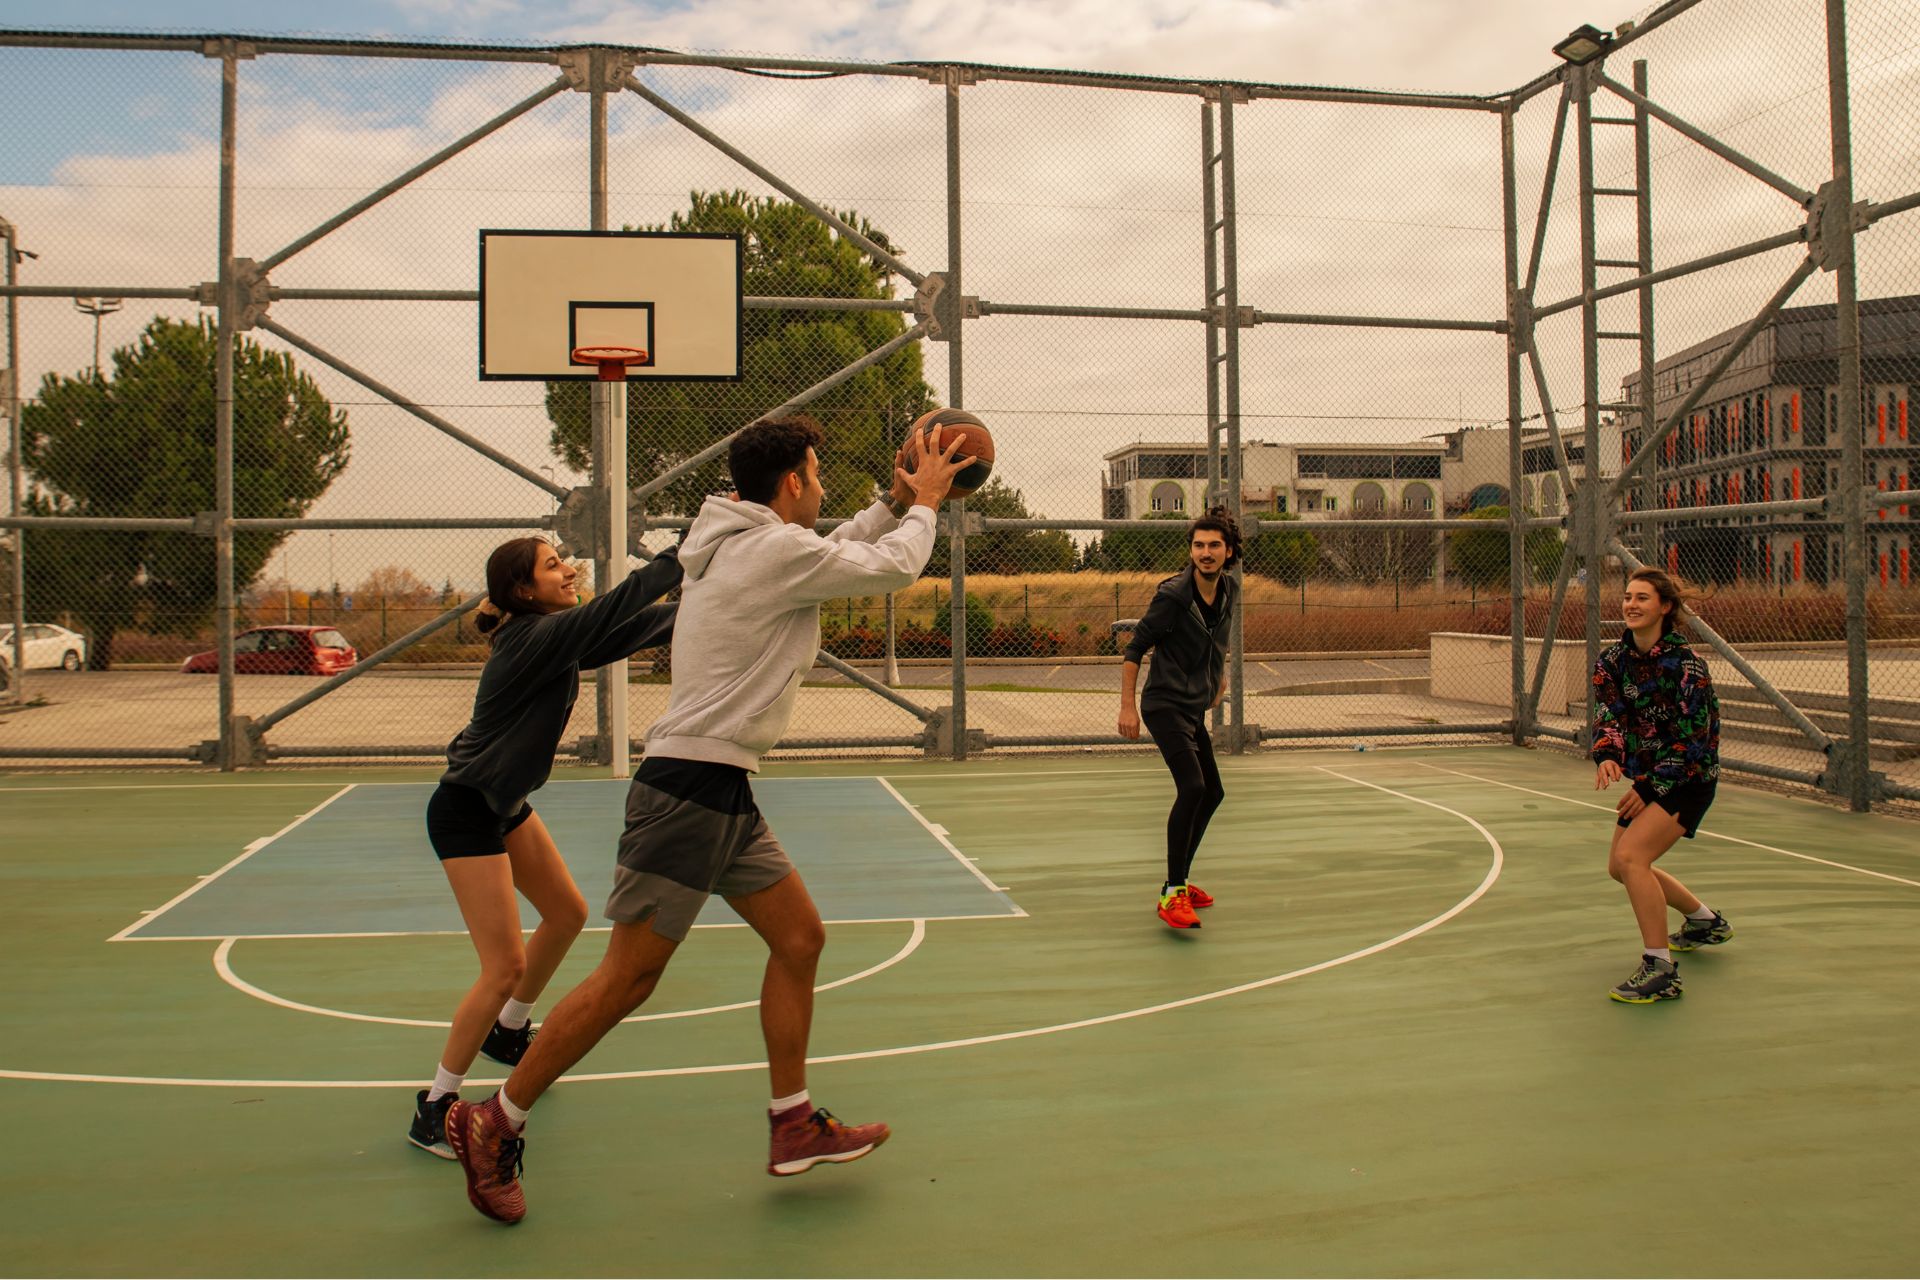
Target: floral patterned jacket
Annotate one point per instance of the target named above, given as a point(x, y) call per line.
point(1656, 714)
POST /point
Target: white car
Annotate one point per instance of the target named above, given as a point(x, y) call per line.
point(47, 647)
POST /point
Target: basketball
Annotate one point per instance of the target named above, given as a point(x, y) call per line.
point(977, 444)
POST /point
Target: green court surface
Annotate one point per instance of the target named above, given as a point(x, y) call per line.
point(1388, 1051)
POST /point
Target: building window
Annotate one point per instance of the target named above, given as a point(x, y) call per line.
point(1333, 504)
point(1417, 498)
point(1280, 503)
point(1169, 497)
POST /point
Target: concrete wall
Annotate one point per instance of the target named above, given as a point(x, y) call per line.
point(1476, 668)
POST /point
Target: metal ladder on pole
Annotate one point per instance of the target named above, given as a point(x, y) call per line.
point(1643, 539)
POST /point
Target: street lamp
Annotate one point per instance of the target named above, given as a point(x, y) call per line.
point(98, 308)
point(1584, 44)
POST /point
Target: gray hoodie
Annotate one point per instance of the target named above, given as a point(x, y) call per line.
point(749, 622)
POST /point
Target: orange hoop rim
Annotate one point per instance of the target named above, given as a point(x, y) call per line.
point(613, 361)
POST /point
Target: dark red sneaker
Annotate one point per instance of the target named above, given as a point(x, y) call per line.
point(486, 1146)
point(803, 1139)
point(1197, 896)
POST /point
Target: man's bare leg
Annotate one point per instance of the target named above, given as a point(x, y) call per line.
point(784, 916)
point(803, 1135)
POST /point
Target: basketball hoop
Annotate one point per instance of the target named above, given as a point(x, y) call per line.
point(613, 361)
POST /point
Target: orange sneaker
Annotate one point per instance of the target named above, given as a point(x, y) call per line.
point(1176, 910)
point(1199, 897)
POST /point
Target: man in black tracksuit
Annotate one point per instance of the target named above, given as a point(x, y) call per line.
point(1187, 626)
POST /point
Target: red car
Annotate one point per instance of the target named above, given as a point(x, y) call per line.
point(281, 651)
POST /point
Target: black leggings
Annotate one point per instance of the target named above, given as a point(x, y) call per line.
point(1184, 745)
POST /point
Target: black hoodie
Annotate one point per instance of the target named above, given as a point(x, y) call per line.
point(1189, 657)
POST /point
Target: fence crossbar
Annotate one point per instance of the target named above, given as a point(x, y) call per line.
point(1547, 183)
point(1793, 191)
point(426, 166)
point(368, 663)
point(1766, 244)
point(425, 415)
point(1761, 685)
point(1652, 444)
point(873, 686)
point(818, 389)
point(766, 175)
point(1537, 686)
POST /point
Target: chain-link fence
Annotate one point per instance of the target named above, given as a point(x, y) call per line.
point(1458, 361)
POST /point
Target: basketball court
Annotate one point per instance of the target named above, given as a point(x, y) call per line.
point(1388, 1050)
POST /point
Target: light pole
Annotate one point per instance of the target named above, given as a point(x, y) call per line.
point(98, 308)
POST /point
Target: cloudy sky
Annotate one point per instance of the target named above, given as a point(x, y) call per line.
point(1070, 196)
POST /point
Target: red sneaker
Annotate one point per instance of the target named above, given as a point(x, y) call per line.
point(486, 1146)
point(1176, 909)
point(803, 1139)
point(1197, 896)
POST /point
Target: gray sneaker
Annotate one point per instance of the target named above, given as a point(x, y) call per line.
point(1695, 934)
point(1655, 979)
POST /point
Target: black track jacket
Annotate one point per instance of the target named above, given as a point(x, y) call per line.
point(1189, 658)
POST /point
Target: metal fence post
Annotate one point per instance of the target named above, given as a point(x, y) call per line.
point(1517, 529)
point(1857, 780)
point(230, 747)
point(609, 405)
point(16, 482)
point(957, 540)
point(1643, 256)
point(1596, 503)
point(1230, 270)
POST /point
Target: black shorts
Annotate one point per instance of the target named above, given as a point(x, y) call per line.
point(461, 824)
point(1688, 802)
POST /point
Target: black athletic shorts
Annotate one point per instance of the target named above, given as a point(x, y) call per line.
point(461, 824)
point(1688, 802)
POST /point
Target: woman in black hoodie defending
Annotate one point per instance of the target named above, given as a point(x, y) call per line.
point(1187, 626)
point(489, 840)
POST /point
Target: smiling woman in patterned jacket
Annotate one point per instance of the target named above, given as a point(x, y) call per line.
point(1657, 723)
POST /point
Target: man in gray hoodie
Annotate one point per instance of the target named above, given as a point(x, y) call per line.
point(748, 629)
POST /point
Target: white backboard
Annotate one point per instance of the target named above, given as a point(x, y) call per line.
point(674, 295)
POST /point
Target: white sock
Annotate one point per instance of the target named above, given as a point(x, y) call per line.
point(1660, 953)
point(1704, 913)
point(515, 1014)
point(515, 1116)
point(444, 1083)
point(788, 1103)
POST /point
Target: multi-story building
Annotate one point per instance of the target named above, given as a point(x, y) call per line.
point(1770, 430)
point(1461, 470)
point(1311, 481)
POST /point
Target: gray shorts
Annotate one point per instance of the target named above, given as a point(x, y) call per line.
point(693, 830)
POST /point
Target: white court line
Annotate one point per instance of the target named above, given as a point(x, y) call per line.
point(940, 834)
point(1479, 892)
point(223, 965)
point(1717, 835)
point(592, 928)
point(564, 782)
point(187, 786)
point(204, 881)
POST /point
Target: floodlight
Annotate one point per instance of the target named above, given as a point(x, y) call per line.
point(1586, 43)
